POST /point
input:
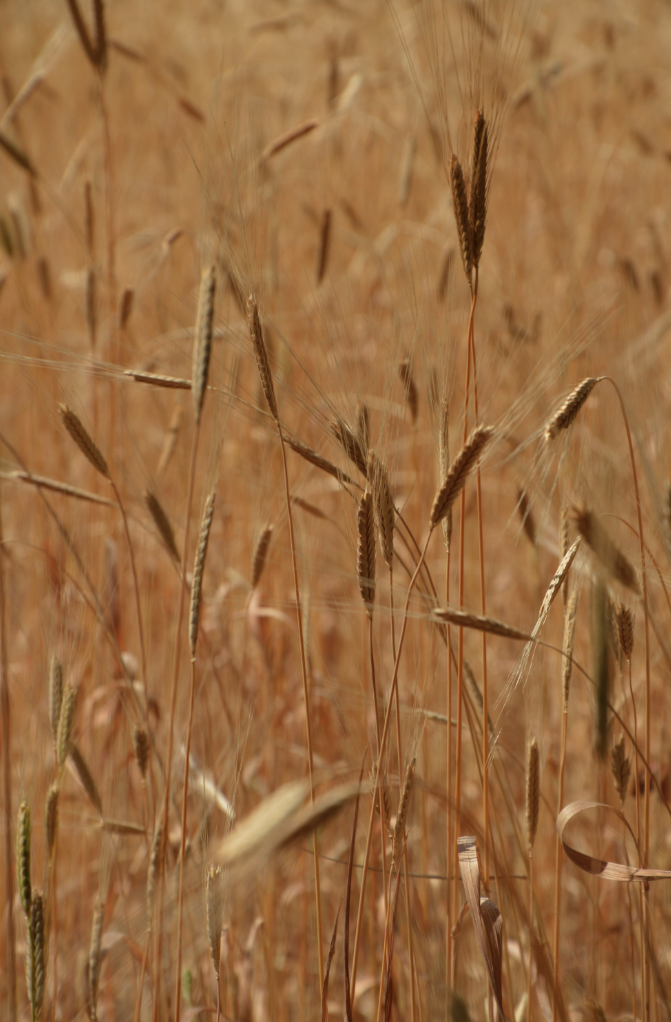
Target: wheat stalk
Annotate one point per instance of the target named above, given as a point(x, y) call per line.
point(23, 856)
point(459, 471)
point(260, 554)
point(532, 793)
point(162, 523)
point(460, 204)
point(198, 569)
point(568, 410)
point(261, 355)
point(477, 208)
point(605, 550)
point(202, 345)
point(402, 814)
point(620, 766)
point(351, 445)
point(366, 552)
point(84, 442)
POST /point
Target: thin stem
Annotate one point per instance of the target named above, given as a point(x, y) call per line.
point(644, 586)
point(448, 785)
point(306, 695)
point(385, 731)
point(171, 730)
point(406, 871)
point(136, 588)
point(531, 923)
point(379, 792)
point(5, 709)
point(182, 850)
point(483, 601)
point(559, 864)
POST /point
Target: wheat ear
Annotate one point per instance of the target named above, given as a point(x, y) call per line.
point(84, 441)
point(261, 355)
point(460, 204)
point(198, 569)
point(260, 554)
point(23, 857)
point(477, 208)
point(35, 972)
point(620, 766)
point(55, 696)
point(366, 553)
point(162, 523)
point(202, 345)
point(461, 468)
point(568, 410)
point(605, 550)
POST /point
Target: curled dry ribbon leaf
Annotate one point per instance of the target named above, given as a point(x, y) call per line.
point(486, 916)
point(599, 867)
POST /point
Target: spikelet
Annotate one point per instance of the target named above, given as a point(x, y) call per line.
point(261, 355)
point(91, 317)
point(477, 211)
point(567, 646)
point(568, 410)
point(162, 523)
point(23, 856)
point(55, 695)
point(152, 869)
point(609, 555)
point(383, 506)
point(63, 740)
point(260, 554)
point(460, 203)
point(620, 766)
point(533, 792)
point(411, 392)
point(85, 777)
point(141, 749)
point(51, 817)
point(314, 458)
point(350, 444)
point(35, 955)
point(198, 568)
point(624, 619)
point(95, 960)
point(363, 423)
point(366, 551)
point(528, 523)
point(215, 909)
point(125, 307)
point(459, 471)
point(402, 815)
point(444, 464)
point(601, 670)
point(202, 344)
point(84, 442)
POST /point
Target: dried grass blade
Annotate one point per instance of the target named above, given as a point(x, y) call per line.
point(600, 867)
point(327, 970)
point(486, 934)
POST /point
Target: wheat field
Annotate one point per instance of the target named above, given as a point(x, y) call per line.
point(335, 510)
